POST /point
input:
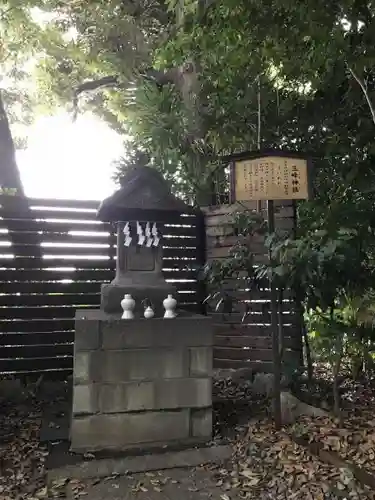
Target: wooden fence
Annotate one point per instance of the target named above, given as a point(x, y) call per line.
point(249, 344)
point(53, 261)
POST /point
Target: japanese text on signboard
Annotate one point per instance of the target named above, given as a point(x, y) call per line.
point(271, 178)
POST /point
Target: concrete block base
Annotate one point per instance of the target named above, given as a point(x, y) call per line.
point(101, 468)
point(141, 383)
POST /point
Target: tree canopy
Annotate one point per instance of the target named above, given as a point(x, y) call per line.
point(190, 81)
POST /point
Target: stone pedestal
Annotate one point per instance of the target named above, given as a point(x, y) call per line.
point(141, 383)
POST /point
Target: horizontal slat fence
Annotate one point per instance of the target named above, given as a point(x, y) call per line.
point(249, 344)
point(53, 261)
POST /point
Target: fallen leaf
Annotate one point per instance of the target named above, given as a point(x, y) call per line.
point(43, 493)
point(254, 482)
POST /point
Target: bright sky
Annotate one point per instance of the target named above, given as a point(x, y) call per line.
point(69, 160)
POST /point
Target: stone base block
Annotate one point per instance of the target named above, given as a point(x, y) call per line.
point(96, 330)
point(132, 464)
point(141, 430)
point(201, 423)
point(125, 430)
point(141, 384)
point(167, 394)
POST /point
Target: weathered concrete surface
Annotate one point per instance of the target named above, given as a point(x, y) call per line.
point(113, 333)
point(160, 394)
point(174, 484)
point(122, 430)
point(143, 364)
point(144, 463)
point(140, 382)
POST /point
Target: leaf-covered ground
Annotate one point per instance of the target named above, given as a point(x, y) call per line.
point(265, 464)
point(271, 465)
point(22, 458)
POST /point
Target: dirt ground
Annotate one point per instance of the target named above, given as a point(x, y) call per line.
point(173, 484)
point(265, 464)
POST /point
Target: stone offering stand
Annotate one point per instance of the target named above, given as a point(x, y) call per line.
point(140, 383)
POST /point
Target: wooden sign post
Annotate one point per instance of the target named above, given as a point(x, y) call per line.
point(271, 176)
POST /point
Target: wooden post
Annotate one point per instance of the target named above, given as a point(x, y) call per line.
point(275, 328)
point(201, 258)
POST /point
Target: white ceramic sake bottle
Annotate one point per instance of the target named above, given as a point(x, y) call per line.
point(128, 304)
point(170, 305)
point(149, 312)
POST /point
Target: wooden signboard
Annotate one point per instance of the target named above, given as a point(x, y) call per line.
point(8, 191)
point(270, 177)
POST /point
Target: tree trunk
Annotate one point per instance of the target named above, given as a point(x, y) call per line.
point(305, 340)
point(336, 397)
point(189, 86)
point(336, 371)
point(12, 195)
point(10, 179)
point(309, 363)
point(368, 361)
point(357, 365)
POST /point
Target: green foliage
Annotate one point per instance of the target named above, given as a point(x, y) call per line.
point(239, 265)
point(353, 320)
point(134, 158)
point(330, 271)
point(298, 62)
point(20, 42)
point(324, 265)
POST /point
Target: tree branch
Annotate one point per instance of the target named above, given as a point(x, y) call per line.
point(162, 77)
point(203, 8)
point(159, 77)
point(365, 92)
point(106, 81)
